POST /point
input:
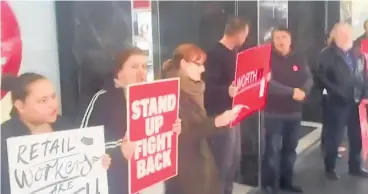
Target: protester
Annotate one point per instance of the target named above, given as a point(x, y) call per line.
point(197, 170)
point(219, 75)
point(291, 80)
point(341, 74)
point(36, 111)
point(323, 93)
point(108, 108)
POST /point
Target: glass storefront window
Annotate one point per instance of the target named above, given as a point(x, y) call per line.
point(201, 23)
point(359, 15)
point(142, 31)
point(271, 13)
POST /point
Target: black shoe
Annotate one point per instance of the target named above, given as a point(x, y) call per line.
point(332, 176)
point(359, 173)
point(268, 190)
point(291, 188)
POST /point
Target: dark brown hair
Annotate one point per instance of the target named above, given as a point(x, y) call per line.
point(280, 29)
point(235, 25)
point(187, 51)
point(18, 86)
point(122, 57)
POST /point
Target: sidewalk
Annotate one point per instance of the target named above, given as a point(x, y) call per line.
point(306, 142)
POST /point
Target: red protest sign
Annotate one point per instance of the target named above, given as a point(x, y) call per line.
point(364, 49)
point(364, 46)
point(252, 67)
point(141, 4)
point(152, 110)
point(364, 127)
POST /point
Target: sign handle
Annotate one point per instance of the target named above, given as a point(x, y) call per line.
point(262, 87)
point(260, 155)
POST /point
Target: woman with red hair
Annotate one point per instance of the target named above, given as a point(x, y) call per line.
point(197, 173)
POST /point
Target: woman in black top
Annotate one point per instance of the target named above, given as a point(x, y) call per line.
point(35, 111)
point(108, 108)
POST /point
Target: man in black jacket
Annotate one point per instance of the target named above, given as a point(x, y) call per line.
point(342, 74)
point(290, 83)
point(220, 73)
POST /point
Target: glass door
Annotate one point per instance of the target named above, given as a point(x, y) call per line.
point(142, 31)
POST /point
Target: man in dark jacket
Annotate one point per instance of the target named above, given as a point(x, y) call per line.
point(343, 75)
point(220, 73)
point(290, 83)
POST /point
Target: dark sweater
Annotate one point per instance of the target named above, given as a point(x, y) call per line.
point(288, 72)
point(220, 73)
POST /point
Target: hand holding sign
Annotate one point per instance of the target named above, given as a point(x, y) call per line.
point(233, 90)
point(127, 148)
point(226, 118)
point(268, 77)
point(106, 161)
point(177, 126)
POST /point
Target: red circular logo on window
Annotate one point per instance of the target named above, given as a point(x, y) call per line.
point(295, 68)
point(11, 43)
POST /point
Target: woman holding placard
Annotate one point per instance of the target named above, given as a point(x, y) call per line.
point(197, 173)
point(35, 111)
point(108, 108)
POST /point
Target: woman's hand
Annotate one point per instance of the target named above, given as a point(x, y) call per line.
point(177, 126)
point(226, 117)
point(268, 77)
point(127, 148)
point(106, 161)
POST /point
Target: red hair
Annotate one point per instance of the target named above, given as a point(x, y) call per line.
point(189, 52)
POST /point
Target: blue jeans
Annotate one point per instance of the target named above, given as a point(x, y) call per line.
point(282, 137)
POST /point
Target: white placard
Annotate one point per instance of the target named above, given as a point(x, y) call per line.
point(66, 162)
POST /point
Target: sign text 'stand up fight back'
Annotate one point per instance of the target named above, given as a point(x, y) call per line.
point(153, 109)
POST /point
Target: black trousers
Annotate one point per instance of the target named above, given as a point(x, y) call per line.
point(339, 116)
point(282, 137)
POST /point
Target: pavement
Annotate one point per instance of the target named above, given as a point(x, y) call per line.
point(307, 140)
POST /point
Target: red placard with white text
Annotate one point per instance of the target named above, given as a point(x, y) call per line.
point(252, 67)
point(364, 127)
point(152, 110)
point(364, 46)
point(364, 49)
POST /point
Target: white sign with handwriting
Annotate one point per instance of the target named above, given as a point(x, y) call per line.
point(65, 162)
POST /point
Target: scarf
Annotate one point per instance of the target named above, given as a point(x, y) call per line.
point(195, 89)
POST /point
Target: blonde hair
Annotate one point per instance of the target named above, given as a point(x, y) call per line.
point(333, 32)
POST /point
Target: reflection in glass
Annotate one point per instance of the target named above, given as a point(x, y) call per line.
point(197, 22)
point(142, 32)
point(271, 14)
point(346, 11)
point(359, 15)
